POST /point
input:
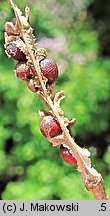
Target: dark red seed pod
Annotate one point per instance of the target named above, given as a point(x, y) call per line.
point(49, 69)
point(67, 156)
point(14, 52)
point(23, 71)
point(50, 127)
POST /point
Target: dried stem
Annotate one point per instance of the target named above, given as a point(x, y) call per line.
point(93, 180)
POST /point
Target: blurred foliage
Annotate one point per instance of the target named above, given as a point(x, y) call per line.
point(30, 168)
point(100, 10)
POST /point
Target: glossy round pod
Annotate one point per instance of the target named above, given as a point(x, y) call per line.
point(14, 52)
point(50, 127)
point(67, 156)
point(23, 71)
point(49, 69)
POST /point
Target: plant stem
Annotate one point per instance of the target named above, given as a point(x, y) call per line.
point(93, 180)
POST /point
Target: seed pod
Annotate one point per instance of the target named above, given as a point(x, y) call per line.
point(50, 127)
point(14, 52)
point(67, 156)
point(22, 71)
point(49, 69)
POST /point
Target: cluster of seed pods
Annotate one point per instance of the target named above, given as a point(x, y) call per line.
point(49, 125)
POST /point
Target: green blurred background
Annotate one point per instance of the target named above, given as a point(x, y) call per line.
point(76, 34)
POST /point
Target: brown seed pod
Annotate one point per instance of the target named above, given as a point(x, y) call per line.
point(50, 127)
